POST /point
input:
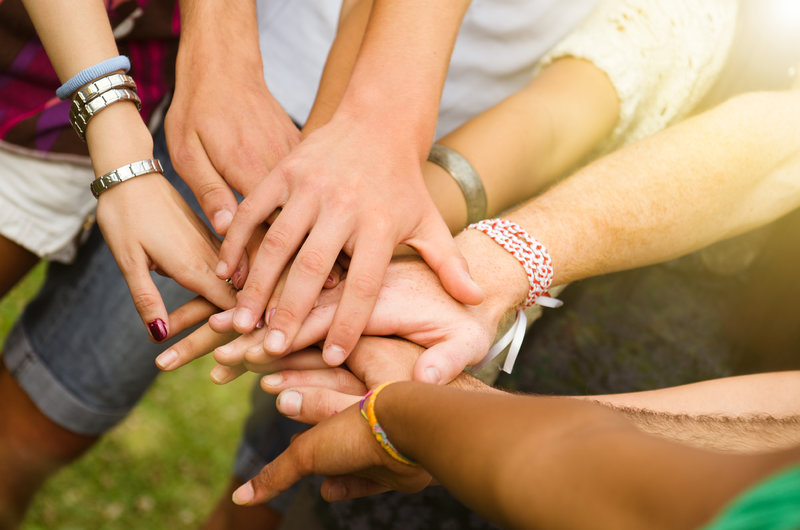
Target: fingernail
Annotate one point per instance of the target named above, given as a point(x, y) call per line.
point(158, 329)
point(329, 281)
point(274, 341)
point(272, 379)
point(260, 323)
point(220, 374)
point(222, 267)
point(289, 402)
point(269, 316)
point(244, 494)
point(166, 359)
point(222, 220)
point(432, 375)
point(236, 279)
point(243, 318)
point(334, 355)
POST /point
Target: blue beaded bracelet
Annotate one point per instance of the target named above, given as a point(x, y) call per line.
point(93, 72)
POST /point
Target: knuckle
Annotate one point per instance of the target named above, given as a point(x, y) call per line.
point(311, 262)
point(276, 241)
point(145, 300)
point(365, 286)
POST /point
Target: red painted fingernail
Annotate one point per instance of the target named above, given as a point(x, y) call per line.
point(158, 329)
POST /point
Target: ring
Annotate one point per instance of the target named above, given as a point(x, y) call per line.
point(229, 281)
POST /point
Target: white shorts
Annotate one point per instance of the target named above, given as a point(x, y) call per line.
point(44, 205)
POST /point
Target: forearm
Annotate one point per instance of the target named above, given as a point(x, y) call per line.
point(712, 177)
point(353, 21)
point(530, 139)
point(747, 413)
point(556, 444)
point(397, 80)
point(77, 36)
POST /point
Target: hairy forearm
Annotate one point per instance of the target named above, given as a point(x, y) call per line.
point(747, 413)
point(712, 177)
point(572, 452)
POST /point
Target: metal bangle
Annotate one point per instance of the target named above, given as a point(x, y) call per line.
point(90, 91)
point(126, 172)
point(465, 176)
point(80, 118)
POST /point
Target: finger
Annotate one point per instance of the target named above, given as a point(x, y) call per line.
point(337, 379)
point(309, 359)
point(312, 405)
point(212, 192)
point(222, 322)
point(364, 278)
point(344, 487)
point(146, 297)
point(273, 479)
point(307, 276)
point(265, 197)
point(221, 375)
point(190, 314)
point(437, 247)
point(199, 278)
point(195, 345)
point(277, 248)
point(234, 352)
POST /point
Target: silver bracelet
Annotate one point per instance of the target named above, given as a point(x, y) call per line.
point(119, 175)
point(465, 176)
point(79, 118)
point(91, 90)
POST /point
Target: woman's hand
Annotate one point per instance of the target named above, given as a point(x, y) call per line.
point(148, 226)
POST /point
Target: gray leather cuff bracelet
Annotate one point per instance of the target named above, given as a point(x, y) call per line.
point(465, 176)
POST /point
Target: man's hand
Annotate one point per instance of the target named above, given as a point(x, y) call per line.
point(224, 130)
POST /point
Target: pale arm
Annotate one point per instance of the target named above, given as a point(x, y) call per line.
point(145, 222)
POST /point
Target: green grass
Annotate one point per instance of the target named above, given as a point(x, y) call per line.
point(163, 467)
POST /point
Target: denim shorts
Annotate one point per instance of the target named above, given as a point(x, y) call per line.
point(81, 353)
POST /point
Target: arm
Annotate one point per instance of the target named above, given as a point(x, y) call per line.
point(626, 478)
point(654, 200)
point(355, 184)
point(145, 222)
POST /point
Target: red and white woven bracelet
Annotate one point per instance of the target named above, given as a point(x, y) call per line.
point(531, 254)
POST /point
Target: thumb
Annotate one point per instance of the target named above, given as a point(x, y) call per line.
point(440, 252)
point(442, 362)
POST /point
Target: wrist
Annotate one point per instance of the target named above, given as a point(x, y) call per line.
point(116, 137)
point(502, 278)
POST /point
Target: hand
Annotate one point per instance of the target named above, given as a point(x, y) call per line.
point(346, 188)
point(412, 304)
point(341, 445)
point(224, 131)
point(148, 226)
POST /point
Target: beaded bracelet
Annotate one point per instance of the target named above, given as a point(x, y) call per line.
point(380, 435)
point(93, 72)
point(531, 254)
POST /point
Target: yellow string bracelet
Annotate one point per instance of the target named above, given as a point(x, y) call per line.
point(367, 407)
